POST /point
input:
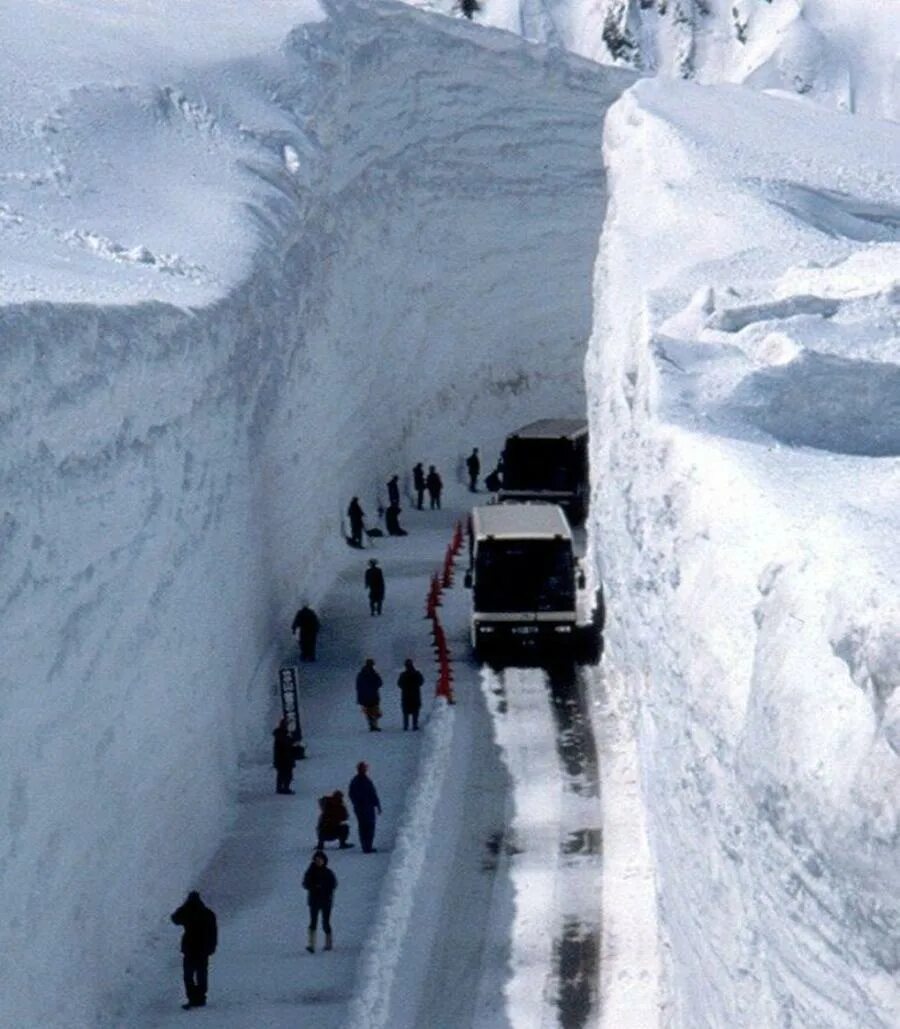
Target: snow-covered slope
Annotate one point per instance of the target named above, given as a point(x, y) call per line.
point(744, 382)
point(843, 53)
point(242, 280)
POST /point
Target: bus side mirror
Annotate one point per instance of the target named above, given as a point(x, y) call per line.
point(467, 580)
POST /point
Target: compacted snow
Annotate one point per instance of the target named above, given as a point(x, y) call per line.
point(255, 259)
point(745, 403)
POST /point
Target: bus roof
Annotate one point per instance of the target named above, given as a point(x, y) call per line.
point(552, 428)
point(520, 521)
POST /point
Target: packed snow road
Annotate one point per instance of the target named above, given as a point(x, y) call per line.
point(481, 907)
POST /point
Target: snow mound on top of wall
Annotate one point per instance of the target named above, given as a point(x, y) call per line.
point(840, 54)
point(744, 398)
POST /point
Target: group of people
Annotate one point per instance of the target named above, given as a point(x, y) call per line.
point(319, 881)
point(430, 482)
point(368, 693)
point(200, 931)
point(423, 482)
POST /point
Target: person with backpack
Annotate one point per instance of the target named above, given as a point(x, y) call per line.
point(198, 944)
point(333, 818)
point(320, 883)
point(410, 682)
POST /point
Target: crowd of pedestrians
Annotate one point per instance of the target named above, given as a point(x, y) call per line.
point(200, 932)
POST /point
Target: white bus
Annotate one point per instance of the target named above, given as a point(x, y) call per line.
point(524, 579)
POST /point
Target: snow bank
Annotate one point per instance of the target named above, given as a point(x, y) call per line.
point(234, 294)
point(837, 53)
point(743, 396)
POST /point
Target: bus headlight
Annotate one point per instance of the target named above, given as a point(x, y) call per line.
point(484, 628)
point(562, 628)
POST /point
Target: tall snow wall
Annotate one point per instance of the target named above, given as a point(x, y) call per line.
point(419, 217)
point(743, 397)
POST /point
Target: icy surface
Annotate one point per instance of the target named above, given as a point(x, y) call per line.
point(744, 398)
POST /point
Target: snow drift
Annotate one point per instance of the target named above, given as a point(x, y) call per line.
point(241, 282)
point(743, 394)
point(842, 54)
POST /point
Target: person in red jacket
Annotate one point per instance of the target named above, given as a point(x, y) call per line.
point(198, 944)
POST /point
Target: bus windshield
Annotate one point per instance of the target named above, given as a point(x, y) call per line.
point(524, 575)
point(539, 464)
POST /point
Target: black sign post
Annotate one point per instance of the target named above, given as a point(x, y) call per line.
point(290, 705)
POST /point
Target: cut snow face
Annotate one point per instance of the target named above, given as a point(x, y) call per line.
point(744, 392)
point(241, 284)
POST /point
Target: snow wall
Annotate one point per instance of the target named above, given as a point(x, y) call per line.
point(842, 53)
point(745, 402)
point(418, 205)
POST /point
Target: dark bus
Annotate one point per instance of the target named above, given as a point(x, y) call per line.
point(547, 460)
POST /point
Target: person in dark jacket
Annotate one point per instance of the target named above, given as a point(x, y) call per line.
point(435, 485)
point(410, 683)
point(333, 818)
point(357, 518)
point(306, 625)
point(368, 683)
point(392, 522)
point(320, 883)
point(283, 758)
point(393, 490)
point(419, 484)
point(473, 466)
point(374, 583)
point(198, 943)
point(364, 798)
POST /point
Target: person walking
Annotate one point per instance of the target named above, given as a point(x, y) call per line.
point(374, 583)
point(364, 798)
point(435, 485)
point(410, 682)
point(393, 490)
point(198, 944)
point(283, 758)
point(368, 684)
point(419, 484)
point(357, 518)
point(320, 883)
point(333, 818)
point(473, 466)
point(306, 626)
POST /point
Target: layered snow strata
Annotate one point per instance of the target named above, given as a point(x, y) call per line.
point(744, 399)
point(382, 221)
